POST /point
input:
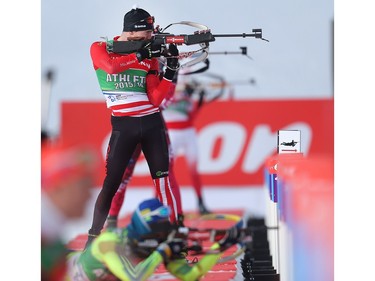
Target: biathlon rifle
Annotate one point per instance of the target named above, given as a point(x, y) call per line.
point(202, 37)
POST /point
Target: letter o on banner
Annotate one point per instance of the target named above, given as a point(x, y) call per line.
point(232, 137)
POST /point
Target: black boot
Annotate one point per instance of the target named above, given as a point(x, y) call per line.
point(180, 223)
point(202, 208)
point(180, 220)
point(112, 222)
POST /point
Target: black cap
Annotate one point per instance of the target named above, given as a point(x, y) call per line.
point(138, 19)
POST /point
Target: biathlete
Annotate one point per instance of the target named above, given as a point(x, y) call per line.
point(133, 92)
point(136, 251)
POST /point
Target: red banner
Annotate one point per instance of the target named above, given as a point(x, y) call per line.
point(235, 138)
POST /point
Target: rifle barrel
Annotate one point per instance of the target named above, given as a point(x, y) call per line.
point(225, 53)
point(238, 35)
point(257, 33)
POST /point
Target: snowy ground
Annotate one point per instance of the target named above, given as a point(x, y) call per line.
point(252, 199)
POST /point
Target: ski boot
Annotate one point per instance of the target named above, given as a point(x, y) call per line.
point(202, 208)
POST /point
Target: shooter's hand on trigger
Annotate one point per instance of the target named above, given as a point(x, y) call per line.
point(172, 62)
point(176, 246)
point(172, 58)
point(172, 247)
point(172, 50)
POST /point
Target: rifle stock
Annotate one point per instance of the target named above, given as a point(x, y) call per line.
point(128, 47)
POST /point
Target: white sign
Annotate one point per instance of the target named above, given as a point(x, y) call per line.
point(289, 141)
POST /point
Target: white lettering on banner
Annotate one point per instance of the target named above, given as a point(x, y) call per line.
point(232, 136)
point(262, 144)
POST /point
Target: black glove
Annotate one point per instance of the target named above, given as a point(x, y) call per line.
point(231, 237)
point(172, 249)
point(149, 51)
point(177, 246)
point(172, 63)
point(173, 52)
point(156, 50)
